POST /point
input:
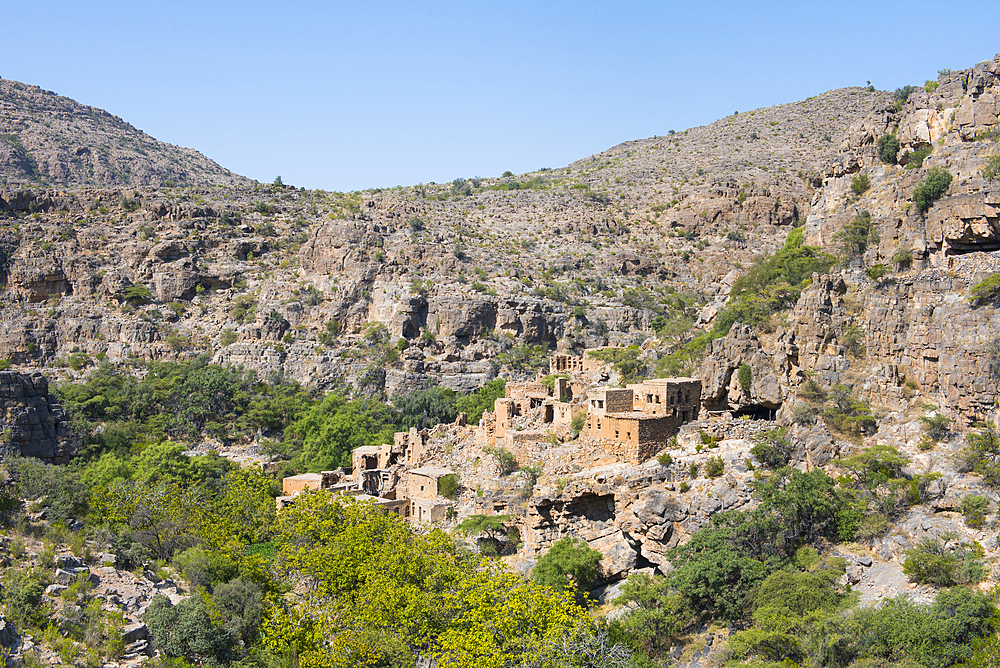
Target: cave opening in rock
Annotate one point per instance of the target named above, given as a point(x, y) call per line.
point(977, 246)
point(756, 412)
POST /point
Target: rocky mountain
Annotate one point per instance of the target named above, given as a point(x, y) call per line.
point(389, 289)
point(678, 246)
point(50, 140)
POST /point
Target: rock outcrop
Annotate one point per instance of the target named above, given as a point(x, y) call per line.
point(33, 424)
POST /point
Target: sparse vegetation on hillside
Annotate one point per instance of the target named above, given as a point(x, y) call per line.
point(931, 188)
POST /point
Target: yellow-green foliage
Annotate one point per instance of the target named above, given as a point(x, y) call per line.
point(395, 593)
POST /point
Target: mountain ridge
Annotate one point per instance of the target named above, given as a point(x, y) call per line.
point(50, 140)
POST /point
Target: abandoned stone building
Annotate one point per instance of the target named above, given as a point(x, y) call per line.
point(634, 423)
point(382, 473)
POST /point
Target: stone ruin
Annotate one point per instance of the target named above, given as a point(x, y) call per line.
point(389, 474)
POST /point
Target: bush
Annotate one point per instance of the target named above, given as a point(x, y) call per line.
point(241, 605)
point(936, 426)
point(505, 460)
point(981, 454)
point(902, 257)
point(138, 294)
point(933, 562)
point(480, 401)
point(986, 291)
point(495, 532)
point(205, 568)
point(425, 408)
point(991, 171)
point(887, 148)
point(855, 237)
point(975, 508)
point(568, 561)
point(714, 467)
point(860, 183)
point(772, 449)
point(448, 486)
point(877, 272)
point(931, 188)
point(848, 415)
point(916, 159)
point(22, 595)
point(187, 630)
point(745, 377)
point(772, 284)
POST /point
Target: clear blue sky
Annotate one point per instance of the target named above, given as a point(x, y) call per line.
point(343, 96)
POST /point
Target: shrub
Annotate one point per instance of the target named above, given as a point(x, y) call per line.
point(855, 237)
point(902, 257)
point(848, 415)
point(505, 460)
point(448, 486)
point(860, 183)
point(771, 448)
point(665, 459)
point(480, 401)
point(577, 423)
point(982, 454)
point(714, 467)
point(877, 272)
point(187, 630)
point(22, 595)
point(243, 308)
point(745, 377)
point(931, 188)
point(887, 148)
point(206, 568)
point(975, 507)
point(568, 561)
point(227, 337)
point(936, 426)
point(138, 294)
point(916, 159)
point(991, 171)
point(494, 532)
point(772, 284)
point(933, 562)
point(986, 291)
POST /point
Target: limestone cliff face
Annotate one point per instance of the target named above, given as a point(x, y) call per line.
point(33, 424)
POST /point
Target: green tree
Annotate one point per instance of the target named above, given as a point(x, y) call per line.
point(187, 630)
point(425, 408)
point(887, 148)
point(482, 400)
point(569, 562)
point(855, 237)
point(331, 429)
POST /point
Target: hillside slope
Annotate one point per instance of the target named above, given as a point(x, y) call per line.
point(47, 139)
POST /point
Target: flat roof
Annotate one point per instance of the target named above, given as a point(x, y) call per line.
point(636, 415)
point(366, 448)
point(666, 381)
point(430, 471)
point(305, 476)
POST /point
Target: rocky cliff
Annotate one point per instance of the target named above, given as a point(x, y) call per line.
point(33, 424)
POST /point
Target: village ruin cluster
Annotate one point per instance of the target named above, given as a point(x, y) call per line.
point(629, 424)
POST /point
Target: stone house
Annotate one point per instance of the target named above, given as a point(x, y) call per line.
point(422, 483)
point(634, 423)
